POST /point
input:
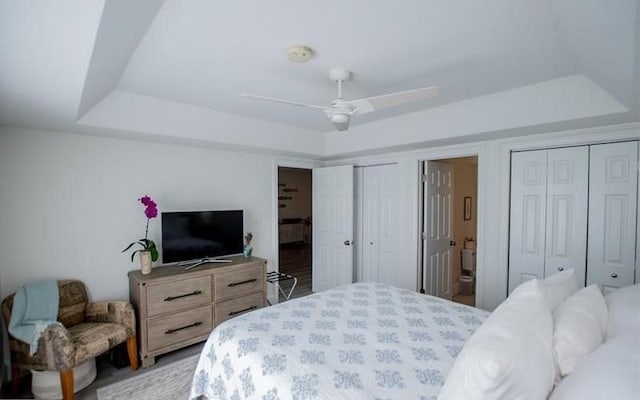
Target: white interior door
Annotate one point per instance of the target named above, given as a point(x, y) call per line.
point(527, 217)
point(332, 227)
point(612, 214)
point(438, 237)
point(567, 196)
point(379, 223)
point(371, 182)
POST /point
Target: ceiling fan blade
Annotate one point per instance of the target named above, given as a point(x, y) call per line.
point(371, 104)
point(293, 103)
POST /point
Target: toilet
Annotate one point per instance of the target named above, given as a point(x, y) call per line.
point(467, 284)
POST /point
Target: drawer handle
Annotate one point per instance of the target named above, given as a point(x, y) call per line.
point(242, 283)
point(194, 293)
point(170, 331)
point(232, 313)
point(614, 275)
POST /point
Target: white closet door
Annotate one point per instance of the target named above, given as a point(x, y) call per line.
point(612, 214)
point(388, 229)
point(379, 225)
point(528, 215)
point(332, 227)
point(566, 225)
point(370, 224)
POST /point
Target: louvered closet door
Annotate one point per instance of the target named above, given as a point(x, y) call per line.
point(566, 220)
point(528, 216)
point(612, 214)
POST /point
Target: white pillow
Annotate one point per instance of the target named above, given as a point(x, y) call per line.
point(579, 326)
point(510, 356)
point(612, 371)
point(624, 310)
point(558, 287)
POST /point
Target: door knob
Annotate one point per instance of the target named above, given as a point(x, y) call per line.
point(560, 269)
point(347, 243)
point(452, 243)
point(614, 275)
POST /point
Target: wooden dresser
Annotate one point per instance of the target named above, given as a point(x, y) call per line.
point(176, 308)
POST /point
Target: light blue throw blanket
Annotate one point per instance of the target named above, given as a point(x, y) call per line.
point(35, 307)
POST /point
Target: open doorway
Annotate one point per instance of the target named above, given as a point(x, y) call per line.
point(294, 228)
point(449, 209)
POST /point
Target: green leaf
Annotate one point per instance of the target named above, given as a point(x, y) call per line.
point(154, 253)
point(134, 254)
point(128, 247)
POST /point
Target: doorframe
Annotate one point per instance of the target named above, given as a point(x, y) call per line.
point(422, 170)
point(450, 153)
point(275, 249)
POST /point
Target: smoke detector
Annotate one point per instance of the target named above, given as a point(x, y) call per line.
point(299, 54)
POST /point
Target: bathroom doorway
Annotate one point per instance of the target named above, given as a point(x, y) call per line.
point(449, 226)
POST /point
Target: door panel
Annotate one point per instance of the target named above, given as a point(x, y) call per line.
point(388, 228)
point(438, 220)
point(612, 214)
point(528, 216)
point(332, 227)
point(566, 225)
point(371, 222)
point(379, 225)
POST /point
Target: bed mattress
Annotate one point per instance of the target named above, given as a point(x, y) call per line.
point(361, 341)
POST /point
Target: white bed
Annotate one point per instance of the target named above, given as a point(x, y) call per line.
point(549, 339)
point(361, 341)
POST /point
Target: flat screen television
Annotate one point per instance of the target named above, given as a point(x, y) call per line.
point(196, 235)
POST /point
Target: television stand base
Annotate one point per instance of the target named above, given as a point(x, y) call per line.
point(194, 264)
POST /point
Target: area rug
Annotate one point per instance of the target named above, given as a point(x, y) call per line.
point(169, 382)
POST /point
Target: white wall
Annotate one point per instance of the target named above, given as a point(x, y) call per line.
point(68, 202)
point(492, 205)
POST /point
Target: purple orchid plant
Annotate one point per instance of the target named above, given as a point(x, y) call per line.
point(150, 211)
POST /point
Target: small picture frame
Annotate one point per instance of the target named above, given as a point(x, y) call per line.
point(467, 208)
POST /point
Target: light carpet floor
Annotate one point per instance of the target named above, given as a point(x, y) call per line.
point(169, 382)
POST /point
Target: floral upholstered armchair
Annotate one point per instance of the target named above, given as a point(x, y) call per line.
point(88, 329)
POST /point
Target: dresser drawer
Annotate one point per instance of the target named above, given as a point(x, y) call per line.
point(179, 295)
point(175, 328)
point(231, 308)
point(239, 282)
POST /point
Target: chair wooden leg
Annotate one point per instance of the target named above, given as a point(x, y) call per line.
point(132, 350)
point(15, 381)
point(66, 382)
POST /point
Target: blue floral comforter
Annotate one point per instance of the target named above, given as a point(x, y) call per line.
point(362, 341)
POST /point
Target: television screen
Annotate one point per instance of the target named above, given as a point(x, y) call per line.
point(201, 234)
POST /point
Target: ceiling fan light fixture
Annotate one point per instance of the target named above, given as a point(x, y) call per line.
point(340, 118)
point(299, 54)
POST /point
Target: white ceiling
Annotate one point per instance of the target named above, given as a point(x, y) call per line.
point(175, 69)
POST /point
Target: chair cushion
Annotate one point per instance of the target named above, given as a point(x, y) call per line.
point(73, 301)
point(94, 338)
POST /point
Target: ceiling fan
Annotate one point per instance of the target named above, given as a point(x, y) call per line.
point(340, 110)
